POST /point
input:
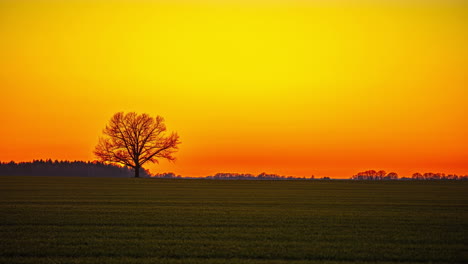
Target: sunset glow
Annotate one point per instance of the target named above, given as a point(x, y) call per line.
point(289, 87)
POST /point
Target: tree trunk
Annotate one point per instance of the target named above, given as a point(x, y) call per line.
point(137, 172)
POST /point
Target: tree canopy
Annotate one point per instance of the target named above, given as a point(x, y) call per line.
point(133, 139)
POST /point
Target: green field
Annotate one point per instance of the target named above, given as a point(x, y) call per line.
point(102, 220)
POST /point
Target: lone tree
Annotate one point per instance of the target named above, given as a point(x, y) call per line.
point(132, 140)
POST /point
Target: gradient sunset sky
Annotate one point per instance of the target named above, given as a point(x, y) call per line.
point(324, 88)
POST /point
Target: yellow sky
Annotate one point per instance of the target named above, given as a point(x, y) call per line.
point(295, 88)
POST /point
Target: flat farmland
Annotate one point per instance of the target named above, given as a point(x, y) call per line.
point(112, 220)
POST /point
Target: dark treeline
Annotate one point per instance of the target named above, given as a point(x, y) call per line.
point(99, 169)
point(235, 176)
point(375, 175)
point(437, 176)
point(66, 168)
point(248, 176)
point(382, 175)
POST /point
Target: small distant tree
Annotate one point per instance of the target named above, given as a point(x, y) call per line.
point(392, 176)
point(132, 140)
point(417, 176)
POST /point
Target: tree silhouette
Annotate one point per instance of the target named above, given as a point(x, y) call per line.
point(391, 176)
point(381, 174)
point(132, 140)
point(417, 176)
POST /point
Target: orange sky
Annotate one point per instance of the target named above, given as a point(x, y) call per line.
point(288, 87)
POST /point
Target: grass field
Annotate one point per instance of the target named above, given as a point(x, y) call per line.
point(102, 220)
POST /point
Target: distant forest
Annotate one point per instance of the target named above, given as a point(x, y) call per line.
point(99, 169)
point(67, 168)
